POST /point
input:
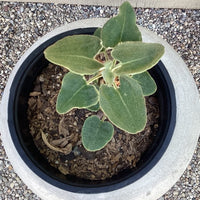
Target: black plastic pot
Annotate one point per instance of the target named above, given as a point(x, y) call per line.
point(18, 125)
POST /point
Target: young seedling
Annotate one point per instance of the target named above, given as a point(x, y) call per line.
point(123, 69)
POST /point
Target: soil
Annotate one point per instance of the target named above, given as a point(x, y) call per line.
point(58, 137)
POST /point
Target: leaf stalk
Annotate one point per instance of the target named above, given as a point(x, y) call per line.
point(94, 78)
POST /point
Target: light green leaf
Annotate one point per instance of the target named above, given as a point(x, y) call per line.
point(146, 82)
point(98, 32)
point(136, 57)
point(96, 134)
point(76, 53)
point(124, 106)
point(121, 28)
point(108, 75)
point(75, 93)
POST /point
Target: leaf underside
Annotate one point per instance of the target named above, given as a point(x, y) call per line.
point(76, 53)
point(124, 106)
point(136, 57)
point(121, 28)
point(96, 134)
point(75, 93)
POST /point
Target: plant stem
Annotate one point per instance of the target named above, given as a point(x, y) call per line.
point(106, 55)
point(114, 85)
point(103, 118)
point(94, 78)
point(116, 67)
point(114, 64)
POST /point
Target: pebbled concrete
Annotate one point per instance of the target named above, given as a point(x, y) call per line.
point(188, 4)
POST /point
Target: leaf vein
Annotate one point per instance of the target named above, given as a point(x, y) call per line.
point(70, 99)
point(123, 102)
point(124, 19)
point(138, 59)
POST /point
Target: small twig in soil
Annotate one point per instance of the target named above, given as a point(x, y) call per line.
point(65, 150)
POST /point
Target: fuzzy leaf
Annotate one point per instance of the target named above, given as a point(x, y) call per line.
point(146, 82)
point(121, 28)
point(96, 134)
point(136, 57)
point(98, 32)
point(76, 53)
point(108, 75)
point(75, 93)
point(124, 106)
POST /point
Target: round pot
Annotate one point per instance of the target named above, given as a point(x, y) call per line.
point(160, 166)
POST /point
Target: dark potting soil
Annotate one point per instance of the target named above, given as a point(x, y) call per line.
point(58, 137)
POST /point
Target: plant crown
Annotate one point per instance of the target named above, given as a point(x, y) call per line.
point(117, 83)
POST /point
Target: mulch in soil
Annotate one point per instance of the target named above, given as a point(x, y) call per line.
point(58, 137)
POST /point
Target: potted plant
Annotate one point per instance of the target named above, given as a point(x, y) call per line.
point(116, 61)
point(106, 74)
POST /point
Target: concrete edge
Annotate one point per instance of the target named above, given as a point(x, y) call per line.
point(170, 167)
point(186, 4)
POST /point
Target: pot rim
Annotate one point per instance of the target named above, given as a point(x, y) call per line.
point(23, 141)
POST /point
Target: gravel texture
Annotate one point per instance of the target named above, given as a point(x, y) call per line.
point(23, 23)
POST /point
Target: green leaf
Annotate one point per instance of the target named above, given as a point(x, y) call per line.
point(98, 32)
point(107, 73)
point(94, 108)
point(146, 82)
point(136, 57)
point(76, 53)
point(124, 106)
point(121, 28)
point(75, 93)
point(96, 134)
